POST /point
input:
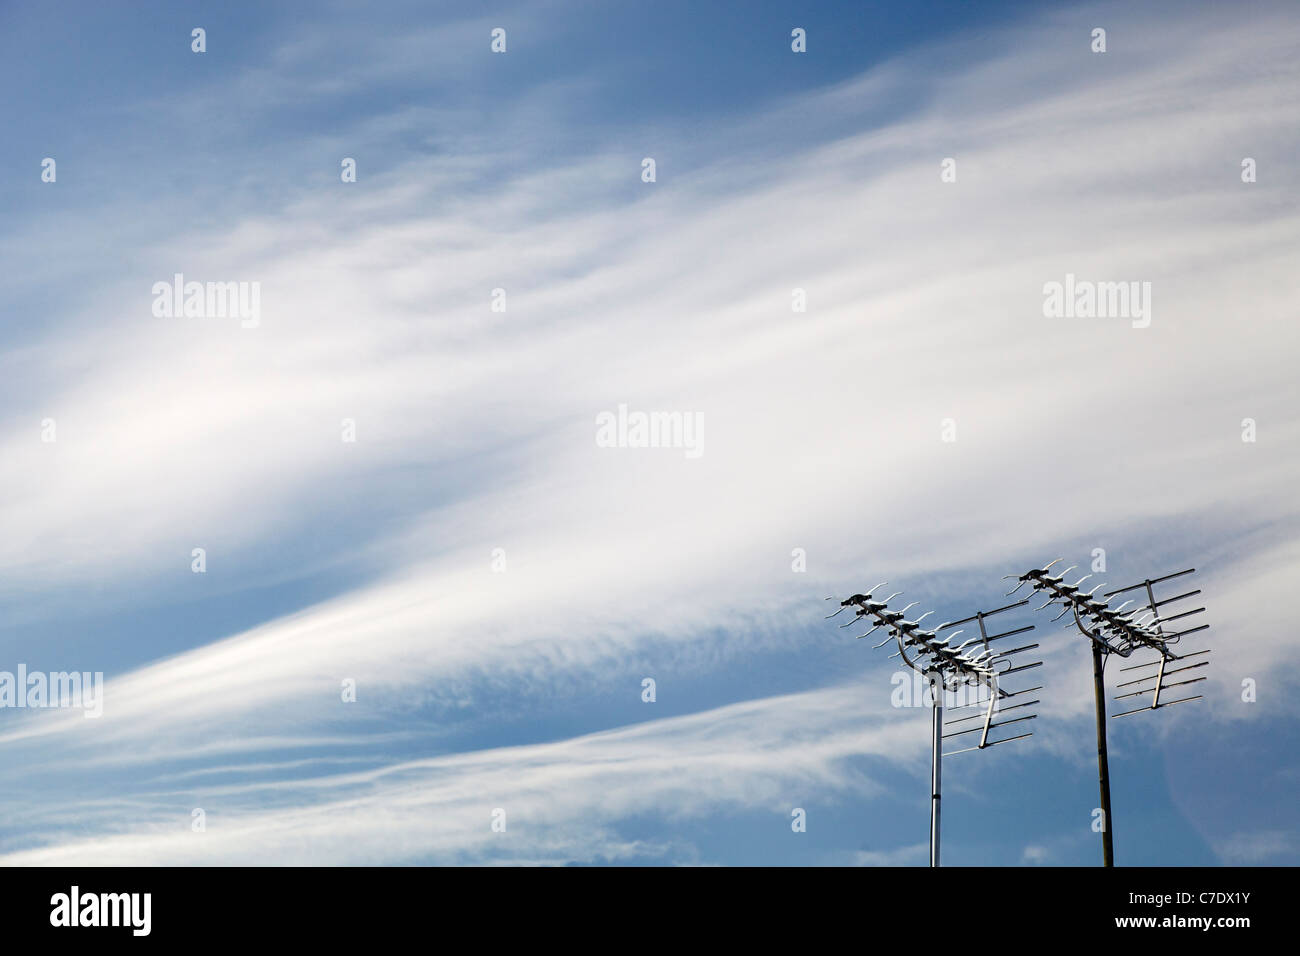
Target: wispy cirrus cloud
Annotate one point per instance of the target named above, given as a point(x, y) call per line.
point(562, 801)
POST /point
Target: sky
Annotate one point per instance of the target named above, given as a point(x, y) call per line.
point(401, 493)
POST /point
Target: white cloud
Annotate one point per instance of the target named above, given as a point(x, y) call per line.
point(563, 800)
point(1257, 847)
point(823, 428)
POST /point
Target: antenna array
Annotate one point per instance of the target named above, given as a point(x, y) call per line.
point(1122, 630)
point(949, 666)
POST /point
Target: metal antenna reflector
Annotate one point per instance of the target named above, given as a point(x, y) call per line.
point(1168, 663)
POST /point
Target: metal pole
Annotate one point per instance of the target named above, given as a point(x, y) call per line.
point(1103, 767)
point(936, 758)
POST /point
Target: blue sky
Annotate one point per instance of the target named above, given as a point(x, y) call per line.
point(521, 688)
